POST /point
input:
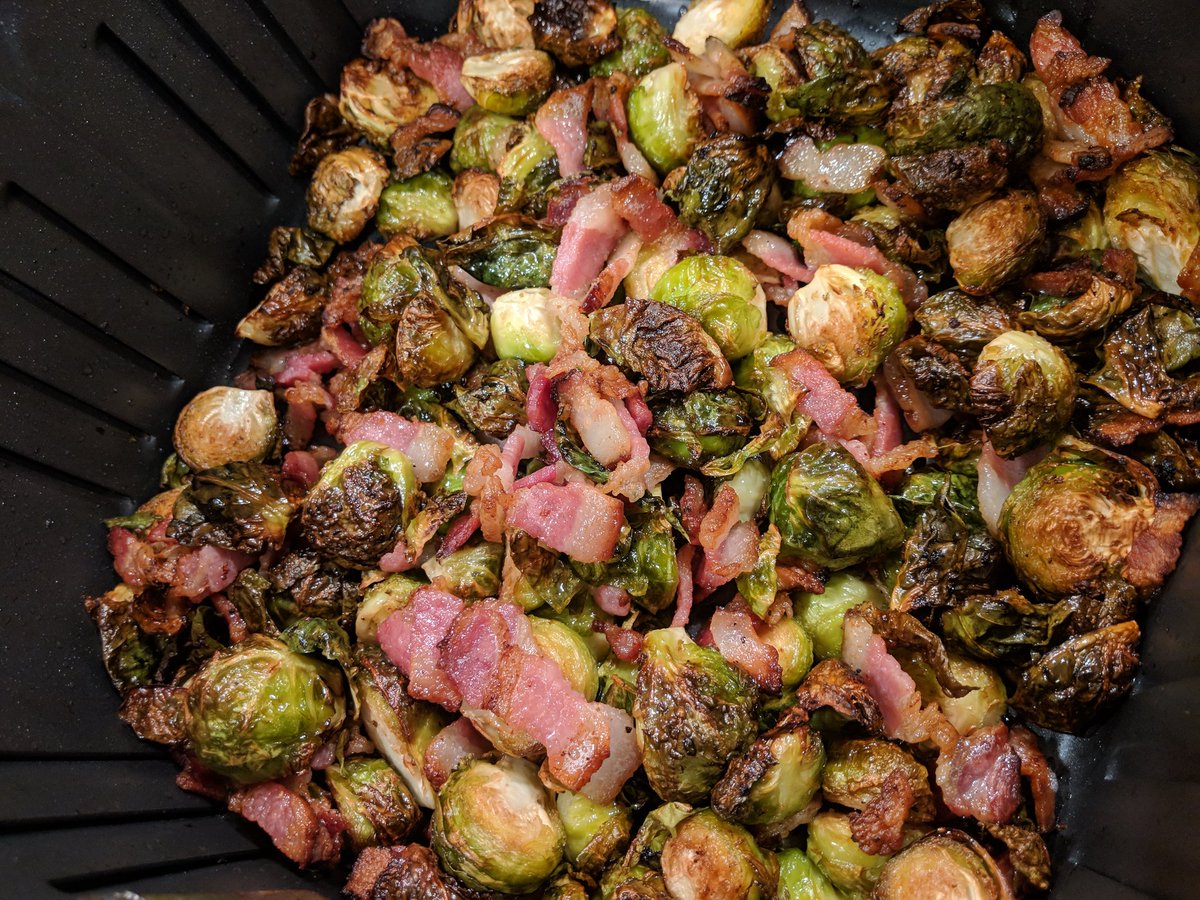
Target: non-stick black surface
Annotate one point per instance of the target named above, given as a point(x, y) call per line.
point(143, 160)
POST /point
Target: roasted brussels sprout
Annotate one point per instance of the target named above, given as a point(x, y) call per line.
point(481, 140)
point(795, 648)
point(226, 425)
point(260, 711)
point(290, 312)
point(471, 572)
point(754, 373)
point(664, 117)
point(491, 400)
point(800, 879)
point(373, 800)
point(507, 252)
point(983, 705)
point(561, 644)
point(596, 833)
point(962, 323)
point(944, 863)
point(421, 206)
point(693, 710)
point(775, 779)
point(857, 770)
point(377, 98)
point(379, 601)
point(829, 511)
point(535, 577)
point(525, 325)
point(709, 857)
point(240, 506)
point(503, 24)
point(723, 187)
point(822, 614)
point(509, 82)
point(840, 859)
point(576, 32)
point(734, 23)
point(849, 319)
point(344, 192)
point(723, 295)
point(699, 426)
point(642, 48)
point(842, 84)
point(1023, 391)
point(1004, 626)
point(995, 241)
point(1152, 207)
point(774, 66)
point(358, 508)
point(526, 171)
point(495, 827)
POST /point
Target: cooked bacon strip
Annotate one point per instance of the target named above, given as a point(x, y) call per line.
point(833, 409)
point(626, 643)
point(588, 239)
point(301, 467)
point(1042, 782)
point(306, 363)
point(981, 776)
point(342, 344)
point(889, 432)
point(596, 418)
point(574, 519)
point(410, 638)
point(919, 412)
point(736, 554)
point(427, 446)
point(562, 121)
point(624, 758)
point(826, 240)
point(205, 571)
point(620, 264)
point(541, 408)
point(304, 834)
point(843, 168)
point(734, 635)
point(642, 416)
point(458, 534)
point(456, 742)
point(636, 200)
point(683, 593)
point(778, 253)
point(613, 600)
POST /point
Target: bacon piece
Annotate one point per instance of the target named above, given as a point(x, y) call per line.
point(636, 200)
point(826, 242)
point(544, 475)
point(562, 204)
point(345, 276)
point(720, 518)
point(427, 446)
point(596, 419)
point(692, 507)
point(415, 149)
point(456, 742)
point(628, 479)
point(613, 600)
point(642, 416)
point(299, 831)
point(1042, 782)
point(842, 169)
point(683, 593)
point(734, 635)
point(301, 467)
point(440, 65)
point(626, 643)
point(736, 554)
point(562, 121)
point(206, 570)
point(342, 344)
point(620, 264)
point(798, 575)
point(588, 239)
point(624, 758)
point(471, 653)
point(541, 408)
point(307, 363)
point(574, 519)
point(410, 638)
point(233, 618)
point(998, 476)
point(832, 408)
point(458, 534)
point(919, 412)
point(981, 776)
point(778, 253)
point(889, 431)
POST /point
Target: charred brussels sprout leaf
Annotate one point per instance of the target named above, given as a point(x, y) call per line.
point(290, 312)
point(829, 511)
point(945, 862)
point(496, 23)
point(421, 206)
point(372, 798)
point(842, 83)
point(722, 295)
point(260, 711)
point(776, 778)
point(481, 139)
point(527, 170)
point(305, 586)
point(131, 657)
point(956, 491)
point(700, 426)
point(525, 325)
point(226, 425)
point(693, 711)
point(962, 323)
point(344, 192)
point(1007, 112)
point(491, 400)
point(576, 32)
point(935, 371)
point(995, 241)
point(723, 187)
point(664, 117)
point(358, 508)
point(642, 48)
point(496, 829)
point(734, 23)
point(943, 560)
point(240, 506)
point(709, 857)
point(509, 82)
point(508, 252)
point(1005, 626)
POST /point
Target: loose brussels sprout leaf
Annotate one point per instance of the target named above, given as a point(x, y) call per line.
point(698, 427)
point(935, 371)
point(642, 48)
point(155, 713)
point(664, 117)
point(510, 82)
point(471, 572)
point(560, 643)
point(943, 560)
point(645, 563)
point(963, 323)
point(795, 648)
point(1063, 318)
point(139, 522)
point(709, 857)
point(491, 399)
point(693, 710)
point(131, 657)
point(507, 251)
point(1004, 626)
point(947, 863)
point(829, 511)
point(324, 132)
point(576, 32)
point(379, 601)
point(857, 772)
point(596, 834)
point(957, 492)
point(759, 586)
point(995, 241)
point(291, 311)
point(377, 98)
point(481, 140)
point(301, 247)
point(754, 373)
point(577, 457)
point(226, 425)
point(667, 347)
point(984, 704)
point(527, 171)
point(240, 506)
point(252, 596)
point(260, 711)
point(800, 879)
point(373, 800)
point(358, 508)
point(525, 325)
point(1023, 390)
point(1080, 679)
point(344, 192)
point(842, 83)
point(849, 319)
point(776, 778)
point(535, 576)
point(832, 848)
point(1152, 207)
point(582, 616)
point(822, 614)
point(618, 680)
point(496, 829)
point(723, 295)
point(775, 439)
point(723, 187)
point(421, 206)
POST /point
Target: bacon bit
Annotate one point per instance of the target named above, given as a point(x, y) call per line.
point(307, 363)
point(458, 534)
point(608, 104)
point(588, 239)
point(541, 409)
point(415, 149)
point(410, 638)
point(919, 412)
point(778, 254)
point(562, 204)
point(345, 275)
point(613, 600)
point(455, 743)
point(596, 418)
point(440, 65)
point(427, 446)
point(482, 481)
point(736, 554)
point(832, 408)
point(720, 518)
point(301, 467)
point(843, 168)
point(734, 635)
point(629, 478)
point(233, 618)
point(196, 778)
point(544, 475)
point(398, 559)
point(294, 826)
point(795, 576)
point(683, 593)
point(889, 431)
point(636, 200)
point(981, 777)
point(574, 519)
point(626, 643)
point(693, 508)
point(826, 240)
point(1042, 782)
point(642, 416)
point(205, 571)
point(562, 121)
point(878, 828)
point(341, 343)
point(620, 264)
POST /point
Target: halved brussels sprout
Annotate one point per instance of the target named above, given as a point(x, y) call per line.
point(379, 601)
point(832, 847)
point(709, 857)
point(525, 325)
point(503, 24)
point(800, 879)
point(377, 98)
point(1152, 207)
point(754, 373)
point(699, 426)
point(642, 48)
point(422, 207)
point(734, 23)
point(372, 798)
point(694, 711)
point(510, 82)
point(596, 833)
point(481, 139)
point(1023, 391)
point(822, 614)
point(358, 508)
point(577, 32)
point(849, 319)
point(995, 241)
point(567, 650)
point(260, 711)
point(664, 117)
point(775, 779)
point(495, 827)
point(945, 863)
point(290, 312)
point(344, 192)
point(1070, 318)
point(722, 188)
point(984, 705)
point(226, 425)
point(241, 506)
point(842, 83)
point(829, 511)
point(471, 572)
point(857, 771)
point(526, 172)
point(774, 66)
point(723, 295)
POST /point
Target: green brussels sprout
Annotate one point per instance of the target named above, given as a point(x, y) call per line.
point(481, 139)
point(1152, 207)
point(511, 82)
point(1023, 390)
point(664, 117)
point(260, 711)
point(525, 325)
point(565, 888)
point(377, 98)
point(693, 711)
point(567, 650)
point(723, 295)
point(1007, 112)
point(944, 863)
point(829, 511)
point(526, 172)
point(849, 319)
point(509, 251)
point(491, 399)
point(858, 770)
point(239, 506)
point(958, 492)
point(795, 648)
point(840, 859)
point(800, 879)
point(596, 833)
point(421, 206)
point(359, 506)
point(709, 857)
point(734, 23)
point(226, 425)
point(822, 614)
point(774, 66)
point(379, 601)
point(642, 47)
point(636, 875)
point(344, 192)
point(535, 576)
point(754, 373)
point(698, 427)
point(962, 323)
point(644, 564)
point(471, 572)
point(984, 705)
point(751, 483)
point(995, 241)
point(495, 827)
point(618, 681)
point(842, 84)
point(775, 779)
point(373, 800)
point(291, 311)
point(722, 188)
point(581, 615)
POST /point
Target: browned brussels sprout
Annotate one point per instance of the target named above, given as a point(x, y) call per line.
point(944, 863)
point(641, 47)
point(306, 586)
point(1066, 318)
point(775, 779)
point(503, 24)
point(645, 565)
point(491, 399)
point(722, 295)
point(723, 187)
point(596, 833)
point(471, 572)
point(240, 506)
point(481, 140)
point(842, 83)
point(421, 207)
point(700, 426)
point(935, 371)
point(962, 323)
point(344, 192)
point(509, 82)
point(734, 23)
point(1140, 357)
point(858, 771)
point(377, 98)
point(508, 252)
point(1004, 626)
point(575, 32)
point(291, 311)
point(131, 656)
point(945, 559)
point(709, 857)
point(534, 576)
point(995, 241)
point(373, 800)
point(225, 425)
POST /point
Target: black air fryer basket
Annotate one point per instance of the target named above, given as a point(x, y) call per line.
point(143, 161)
